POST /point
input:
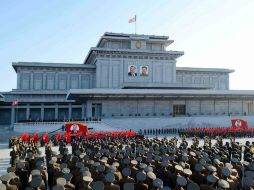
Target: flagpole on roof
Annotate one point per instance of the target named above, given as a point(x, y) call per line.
point(135, 24)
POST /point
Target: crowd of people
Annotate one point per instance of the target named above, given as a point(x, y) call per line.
point(113, 162)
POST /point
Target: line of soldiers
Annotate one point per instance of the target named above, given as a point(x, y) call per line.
point(131, 164)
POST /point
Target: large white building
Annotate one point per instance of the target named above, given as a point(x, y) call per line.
point(125, 75)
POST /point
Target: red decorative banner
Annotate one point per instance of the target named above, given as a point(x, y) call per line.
point(239, 123)
point(76, 128)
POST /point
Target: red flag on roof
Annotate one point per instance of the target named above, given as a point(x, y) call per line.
point(131, 20)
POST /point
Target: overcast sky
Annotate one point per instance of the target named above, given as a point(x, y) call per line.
point(212, 33)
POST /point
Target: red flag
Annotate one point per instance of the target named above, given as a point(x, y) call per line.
point(45, 138)
point(239, 123)
point(15, 102)
point(131, 20)
point(58, 136)
point(35, 137)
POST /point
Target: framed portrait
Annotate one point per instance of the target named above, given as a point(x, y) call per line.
point(143, 71)
point(132, 70)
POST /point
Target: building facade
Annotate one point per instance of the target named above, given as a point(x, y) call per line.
point(125, 75)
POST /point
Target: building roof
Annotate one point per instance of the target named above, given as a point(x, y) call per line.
point(193, 69)
point(15, 65)
point(75, 94)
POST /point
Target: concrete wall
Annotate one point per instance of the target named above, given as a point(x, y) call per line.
point(113, 72)
point(43, 78)
point(218, 81)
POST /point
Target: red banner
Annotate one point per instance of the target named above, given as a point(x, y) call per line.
point(239, 123)
point(35, 137)
point(76, 128)
point(45, 138)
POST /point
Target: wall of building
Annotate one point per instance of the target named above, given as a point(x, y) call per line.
point(46, 78)
point(113, 72)
point(219, 80)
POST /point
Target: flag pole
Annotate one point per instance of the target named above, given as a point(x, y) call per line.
point(135, 24)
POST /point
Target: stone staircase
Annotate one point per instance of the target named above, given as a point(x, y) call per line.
point(4, 158)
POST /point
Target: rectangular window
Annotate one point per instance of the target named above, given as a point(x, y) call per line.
point(179, 109)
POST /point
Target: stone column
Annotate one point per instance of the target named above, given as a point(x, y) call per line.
point(42, 112)
point(70, 111)
point(56, 111)
point(83, 110)
point(12, 117)
point(88, 109)
point(27, 111)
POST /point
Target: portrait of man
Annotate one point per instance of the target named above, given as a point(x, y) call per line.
point(132, 71)
point(144, 71)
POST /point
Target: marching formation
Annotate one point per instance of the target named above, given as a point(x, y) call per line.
point(114, 162)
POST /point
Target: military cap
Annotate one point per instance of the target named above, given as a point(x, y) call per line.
point(211, 178)
point(141, 176)
point(86, 173)
point(126, 172)
point(148, 169)
point(151, 175)
point(111, 169)
point(178, 168)
point(5, 178)
point(100, 168)
point(142, 165)
point(87, 178)
point(68, 176)
point(12, 175)
point(116, 164)
point(10, 169)
point(95, 164)
point(198, 167)
point(192, 186)
point(225, 171)
point(229, 166)
point(139, 159)
point(86, 157)
point(90, 162)
point(202, 161)
point(63, 165)
point(110, 177)
point(65, 170)
point(2, 186)
point(223, 184)
point(185, 158)
point(216, 161)
point(52, 162)
point(181, 181)
point(35, 172)
point(134, 162)
point(61, 181)
point(126, 161)
point(98, 185)
point(54, 158)
point(171, 158)
point(192, 153)
point(157, 182)
point(211, 168)
point(80, 165)
point(187, 172)
point(248, 181)
point(128, 186)
point(36, 181)
point(58, 187)
point(78, 152)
